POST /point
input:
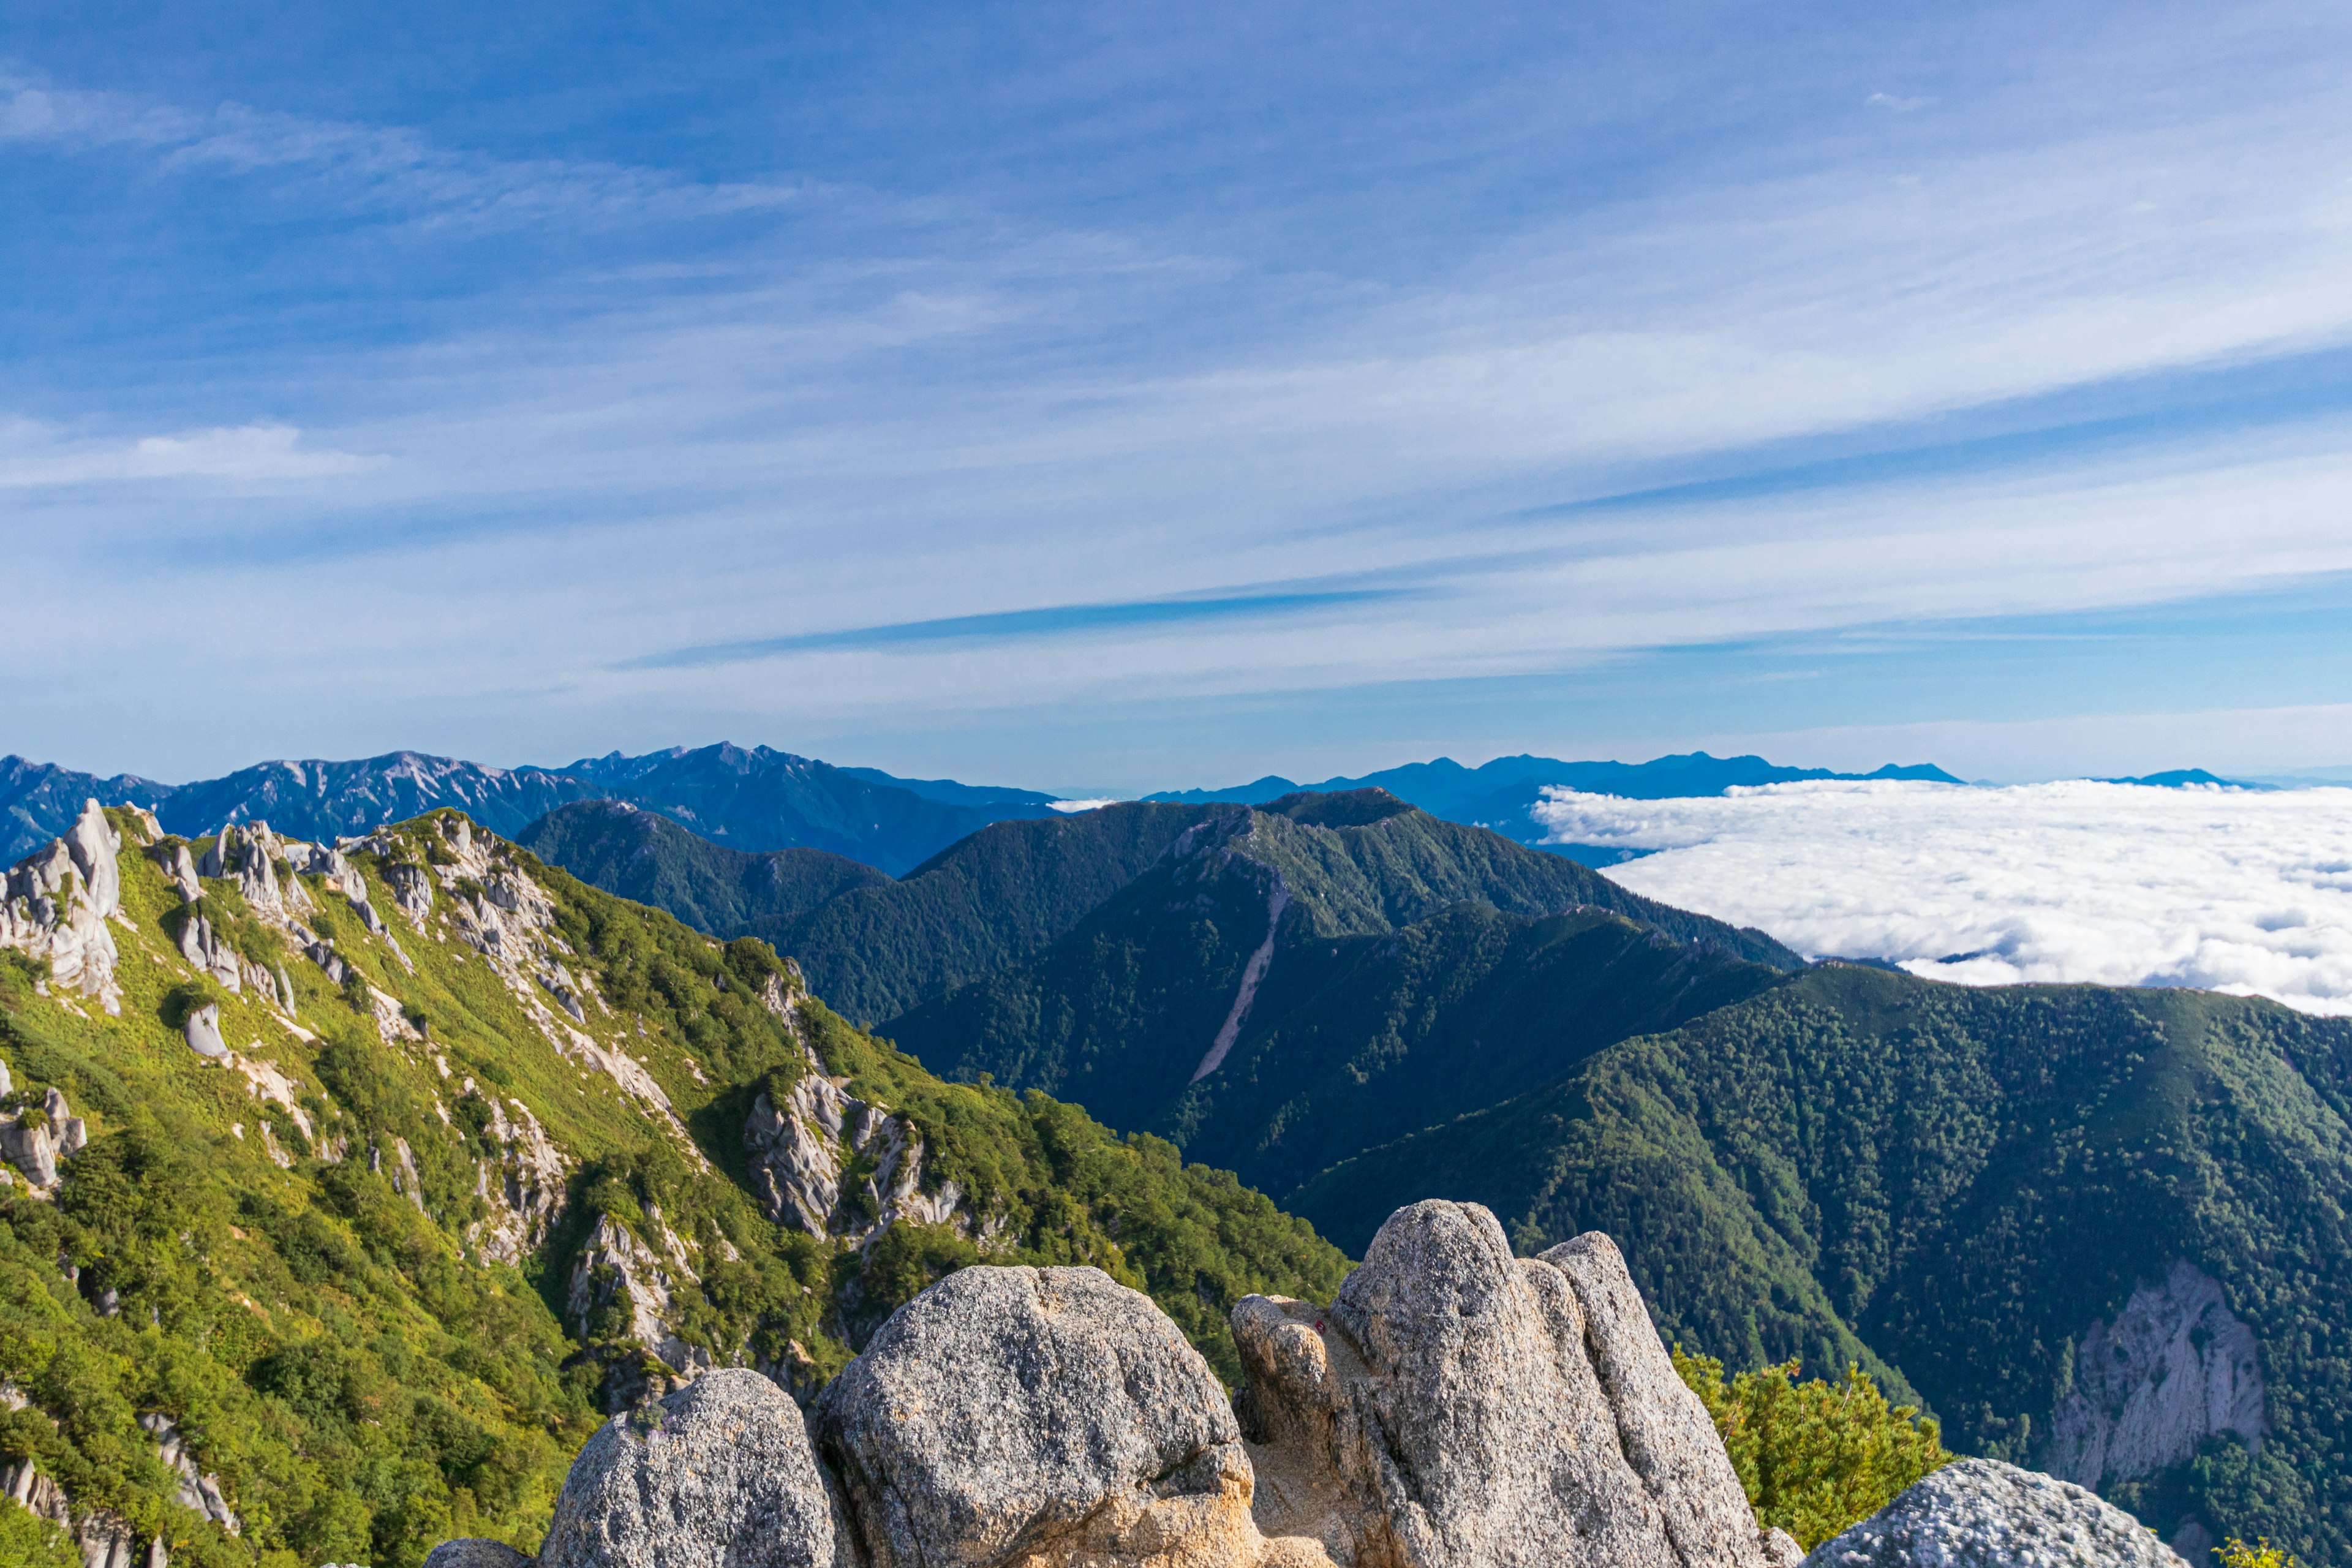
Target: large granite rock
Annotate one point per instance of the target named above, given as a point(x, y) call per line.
point(55, 904)
point(477, 1553)
point(1042, 1418)
point(1981, 1513)
point(1459, 1406)
point(718, 1475)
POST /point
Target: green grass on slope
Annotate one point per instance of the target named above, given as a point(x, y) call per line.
point(1862, 1167)
point(364, 1381)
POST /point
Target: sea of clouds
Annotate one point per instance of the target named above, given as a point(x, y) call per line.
point(2229, 890)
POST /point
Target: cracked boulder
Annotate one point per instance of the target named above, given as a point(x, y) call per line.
point(1459, 1405)
point(1045, 1417)
point(1981, 1513)
point(718, 1475)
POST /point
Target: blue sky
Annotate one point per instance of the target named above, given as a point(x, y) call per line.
point(1106, 398)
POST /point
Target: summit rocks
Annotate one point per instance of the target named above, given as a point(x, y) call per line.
point(1455, 1407)
point(1460, 1405)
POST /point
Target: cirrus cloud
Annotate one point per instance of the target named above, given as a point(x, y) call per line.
point(2225, 890)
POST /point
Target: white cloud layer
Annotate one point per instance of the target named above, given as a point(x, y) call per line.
point(2224, 890)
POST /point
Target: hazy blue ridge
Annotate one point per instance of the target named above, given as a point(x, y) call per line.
point(757, 799)
point(1499, 793)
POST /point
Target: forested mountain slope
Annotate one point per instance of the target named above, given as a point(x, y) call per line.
point(1293, 984)
point(347, 1189)
point(2101, 1231)
point(874, 947)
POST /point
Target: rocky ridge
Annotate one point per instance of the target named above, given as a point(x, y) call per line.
point(1453, 1407)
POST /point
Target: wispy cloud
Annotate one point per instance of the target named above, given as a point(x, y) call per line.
point(1046, 621)
point(388, 170)
point(2115, 884)
point(34, 456)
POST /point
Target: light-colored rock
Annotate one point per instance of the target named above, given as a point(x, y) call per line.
point(55, 904)
point(38, 1495)
point(72, 1133)
point(1448, 1410)
point(615, 1269)
point(718, 1475)
point(107, 1540)
point(411, 891)
point(198, 1493)
point(207, 953)
point(800, 1149)
point(1981, 1513)
point(477, 1553)
point(1667, 1433)
point(1781, 1551)
point(528, 1196)
point(203, 1030)
point(31, 1149)
point(1041, 1417)
point(2175, 1367)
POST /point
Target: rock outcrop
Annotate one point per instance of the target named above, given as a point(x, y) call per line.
point(718, 1475)
point(56, 902)
point(800, 1149)
point(1455, 1407)
point(1039, 1418)
point(2175, 1367)
point(476, 1554)
point(35, 1138)
point(198, 1493)
point(1459, 1405)
point(1981, 1513)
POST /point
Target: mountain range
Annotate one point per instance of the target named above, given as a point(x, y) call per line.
point(754, 799)
point(760, 799)
point(2100, 1231)
point(2096, 1230)
point(1500, 793)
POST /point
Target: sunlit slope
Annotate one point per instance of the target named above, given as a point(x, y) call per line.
point(489, 1151)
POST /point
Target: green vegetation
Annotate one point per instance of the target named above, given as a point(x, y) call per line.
point(314, 1294)
point(1946, 1187)
point(870, 946)
point(1813, 1458)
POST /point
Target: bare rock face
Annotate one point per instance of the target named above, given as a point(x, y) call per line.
point(801, 1148)
point(477, 1553)
point(1667, 1435)
point(1981, 1513)
point(55, 903)
point(1459, 1406)
point(203, 1030)
point(718, 1475)
point(1045, 1417)
point(2175, 1367)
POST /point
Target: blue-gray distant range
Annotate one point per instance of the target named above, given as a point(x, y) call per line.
point(760, 799)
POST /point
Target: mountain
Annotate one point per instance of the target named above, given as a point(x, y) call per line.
point(2183, 778)
point(1498, 794)
point(347, 1191)
point(644, 857)
point(763, 799)
point(1295, 983)
point(2102, 1232)
point(40, 800)
point(873, 945)
point(758, 799)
